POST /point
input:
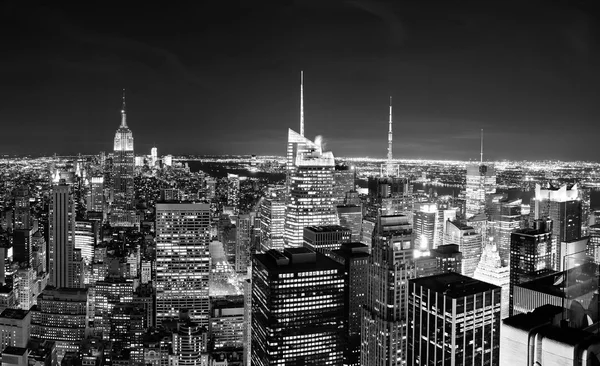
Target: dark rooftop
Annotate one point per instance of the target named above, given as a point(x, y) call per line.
point(320, 262)
point(14, 313)
point(10, 350)
point(454, 285)
point(326, 228)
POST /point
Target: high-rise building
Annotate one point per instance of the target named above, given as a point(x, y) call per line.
point(530, 255)
point(468, 330)
point(227, 323)
point(22, 246)
point(297, 309)
point(492, 270)
point(448, 257)
point(39, 257)
point(505, 217)
point(310, 199)
point(481, 181)
point(350, 216)
point(182, 260)
point(563, 207)
point(343, 178)
point(190, 344)
point(153, 157)
point(324, 239)
point(233, 190)
point(61, 315)
point(95, 198)
point(85, 239)
point(355, 259)
point(383, 329)
point(272, 218)
point(469, 244)
point(15, 328)
point(242, 242)
point(61, 235)
point(22, 214)
point(424, 227)
point(122, 211)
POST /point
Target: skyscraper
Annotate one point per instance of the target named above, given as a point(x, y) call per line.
point(61, 235)
point(530, 255)
point(383, 328)
point(469, 243)
point(324, 239)
point(492, 270)
point(355, 259)
point(453, 320)
point(481, 181)
point(425, 227)
point(233, 191)
point(182, 260)
point(505, 217)
point(122, 211)
point(272, 219)
point(350, 216)
point(310, 200)
point(297, 309)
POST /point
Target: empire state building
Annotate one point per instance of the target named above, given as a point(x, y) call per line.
point(122, 212)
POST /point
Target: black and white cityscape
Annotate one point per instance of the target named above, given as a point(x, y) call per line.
point(356, 183)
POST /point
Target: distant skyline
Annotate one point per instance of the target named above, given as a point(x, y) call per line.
point(224, 78)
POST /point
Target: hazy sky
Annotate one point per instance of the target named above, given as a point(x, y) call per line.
point(223, 78)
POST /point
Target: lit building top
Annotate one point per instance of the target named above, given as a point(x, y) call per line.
point(123, 136)
point(454, 285)
point(561, 194)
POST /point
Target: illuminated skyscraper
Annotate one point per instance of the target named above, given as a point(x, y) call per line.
point(311, 189)
point(153, 156)
point(564, 208)
point(481, 181)
point(122, 211)
point(469, 244)
point(243, 236)
point(22, 216)
point(233, 190)
point(350, 216)
point(297, 309)
point(85, 239)
point(383, 328)
point(61, 235)
point(343, 178)
point(453, 320)
point(505, 217)
point(182, 260)
point(530, 255)
point(491, 270)
point(272, 219)
point(324, 239)
point(425, 225)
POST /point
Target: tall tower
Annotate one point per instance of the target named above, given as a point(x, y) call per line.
point(481, 182)
point(61, 235)
point(301, 103)
point(389, 169)
point(182, 261)
point(123, 165)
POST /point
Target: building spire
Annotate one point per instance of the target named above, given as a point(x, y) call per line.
point(389, 154)
point(123, 112)
point(481, 153)
point(302, 103)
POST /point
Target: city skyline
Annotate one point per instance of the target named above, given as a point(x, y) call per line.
point(232, 87)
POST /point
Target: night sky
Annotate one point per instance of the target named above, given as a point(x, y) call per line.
point(223, 78)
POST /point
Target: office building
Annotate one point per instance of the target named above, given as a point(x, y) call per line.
point(190, 344)
point(424, 227)
point(469, 244)
point(481, 181)
point(243, 237)
point(350, 216)
point(324, 239)
point(39, 256)
point(448, 257)
point(61, 235)
point(22, 246)
point(505, 218)
point(272, 218)
point(539, 338)
point(95, 199)
point(107, 294)
point(468, 330)
point(492, 270)
point(297, 309)
point(310, 199)
point(182, 260)
point(563, 207)
point(15, 328)
point(122, 210)
point(343, 178)
point(153, 157)
point(15, 356)
point(85, 238)
point(530, 255)
point(227, 324)
point(233, 190)
point(383, 329)
point(61, 315)
point(22, 213)
point(355, 259)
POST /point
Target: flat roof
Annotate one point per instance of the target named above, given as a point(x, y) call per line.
point(14, 313)
point(321, 262)
point(10, 350)
point(454, 285)
point(326, 228)
point(182, 206)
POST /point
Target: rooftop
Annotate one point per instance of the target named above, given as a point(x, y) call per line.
point(291, 261)
point(454, 285)
point(10, 350)
point(326, 228)
point(14, 313)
